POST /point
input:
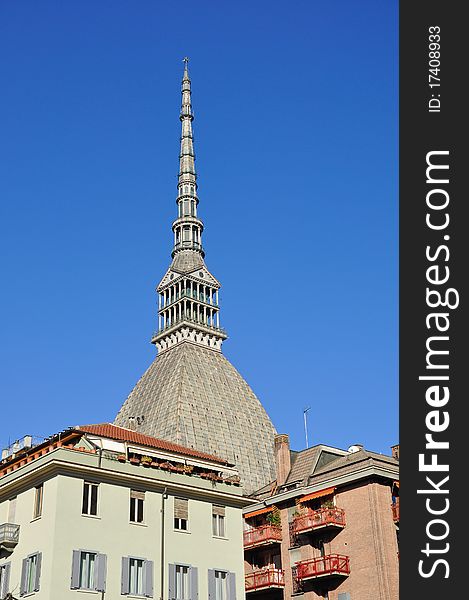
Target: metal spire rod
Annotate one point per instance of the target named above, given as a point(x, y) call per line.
point(305, 412)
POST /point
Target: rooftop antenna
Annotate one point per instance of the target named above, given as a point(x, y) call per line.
point(305, 413)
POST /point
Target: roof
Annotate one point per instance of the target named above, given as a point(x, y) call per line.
point(114, 432)
point(187, 261)
point(307, 462)
point(352, 458)
point(193, 396)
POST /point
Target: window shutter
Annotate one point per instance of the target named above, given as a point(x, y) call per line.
point(5, 580)
point(24, 570)
point(194, 583)
point(100, 574)
point(231, 586)
point(218, 510)
point(38, 571)
point(75, 584)
point(211, 584)
point(344, 596)
point(181, 510)
point(125, 583)
point(172, 582)
point(148, 589)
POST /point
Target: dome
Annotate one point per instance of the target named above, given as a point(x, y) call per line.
point(193, 396)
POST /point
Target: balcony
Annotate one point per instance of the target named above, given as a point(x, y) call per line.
point(331, 565)
point(395, 511)
point(264, 579)
point(262, 536)
point(318, 519)
point(9, 535)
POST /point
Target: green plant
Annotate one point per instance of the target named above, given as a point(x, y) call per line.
point(274, 517)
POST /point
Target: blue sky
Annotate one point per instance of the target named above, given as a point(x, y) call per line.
point(296, 142)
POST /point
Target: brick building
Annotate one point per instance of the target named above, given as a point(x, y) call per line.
point(326, 528)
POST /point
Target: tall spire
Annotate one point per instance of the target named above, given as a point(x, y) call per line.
point(187, 227)
point(188, 293)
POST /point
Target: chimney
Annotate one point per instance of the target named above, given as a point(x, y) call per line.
point(282, 457)
point(132, 424)
point(395, 451)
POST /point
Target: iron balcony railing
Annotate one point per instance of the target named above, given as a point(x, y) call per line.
point(323, 566)
point(9, 535)
point(260, 536)
point(264, 579)
point(316, 519)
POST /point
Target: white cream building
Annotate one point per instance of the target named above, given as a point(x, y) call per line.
point(106, 512)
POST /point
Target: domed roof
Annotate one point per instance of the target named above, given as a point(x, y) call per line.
point(193, 396)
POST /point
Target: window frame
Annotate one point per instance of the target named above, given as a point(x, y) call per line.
point(134, 511)
point(31, 578)
point(80, 573)
point(146, 580)
point(91, 485)
point(38, 501)
point(226, 595)
point(218, 520)
point(178, 521)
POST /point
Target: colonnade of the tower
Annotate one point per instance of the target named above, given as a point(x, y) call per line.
point(188, 300)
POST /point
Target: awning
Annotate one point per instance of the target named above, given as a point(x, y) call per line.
point(320, 494)
point(259, 512)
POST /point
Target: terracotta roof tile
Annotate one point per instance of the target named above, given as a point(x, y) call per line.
point(128, 435)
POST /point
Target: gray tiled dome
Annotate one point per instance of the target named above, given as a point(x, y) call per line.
point(193, 396)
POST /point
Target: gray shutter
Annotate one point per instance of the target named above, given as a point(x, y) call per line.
point(24, 570)
point(6, 580)
point(193, 574)
point(148, 583)
point(100, 573)
point(38, 572)
point(75, 584)
point(231, 586)
point(344, 596)
point(125, 583)
point(172, 582)
point(211, 584)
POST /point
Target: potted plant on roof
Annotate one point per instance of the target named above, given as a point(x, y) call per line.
point(146, 461)
point(121, 458)
point(188, 469)
point(134, 460)
point(165, 466)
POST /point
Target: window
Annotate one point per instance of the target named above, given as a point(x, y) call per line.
point(88, 570)
point(90, 499)
point(183, 582)
point(218, 520)
point(4, 580)
point(181, 513)
point(31, 574)
point(39, 492)
point(137, 576)
point(221, 588)
point(136, 506)
point(221, 585)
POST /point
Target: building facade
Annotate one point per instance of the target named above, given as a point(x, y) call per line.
point(327, 529)
point(191, 394)
point(107, 511)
